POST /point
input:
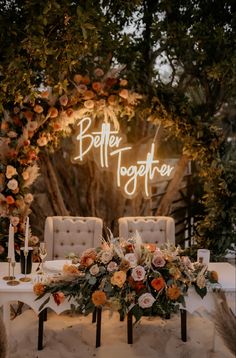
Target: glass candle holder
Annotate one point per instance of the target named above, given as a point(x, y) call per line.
point(203, 256)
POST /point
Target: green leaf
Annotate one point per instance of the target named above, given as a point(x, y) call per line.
point(137, 312)
point(44, 303)
point(201, 291)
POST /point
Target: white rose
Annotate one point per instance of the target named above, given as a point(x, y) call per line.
point(94, 270)
point(12, 184)
point(146, 300)
point(138, 273)
point(106, 256)
point(132, 259)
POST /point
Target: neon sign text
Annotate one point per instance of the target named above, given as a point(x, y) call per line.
point(108, 144)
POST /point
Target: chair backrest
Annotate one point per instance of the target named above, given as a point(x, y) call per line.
point(152, 229)
point(66, 234)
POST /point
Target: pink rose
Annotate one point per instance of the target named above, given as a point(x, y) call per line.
point(138, 273)
point(158, 260)
point(12, 184)
point(132, 259)
point(112, 266)
point(94, 270)
point(146, 300)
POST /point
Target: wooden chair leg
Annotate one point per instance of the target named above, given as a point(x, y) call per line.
point(45, 317)
point(98, 327)
point(40, 330)
point(183, 317)
point(130, 328)
point(94, 317)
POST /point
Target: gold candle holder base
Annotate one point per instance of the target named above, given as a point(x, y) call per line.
point(13, 283)
point(25, 279)
point(8, 278)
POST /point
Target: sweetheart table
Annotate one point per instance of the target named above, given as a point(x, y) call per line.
point(24, 293)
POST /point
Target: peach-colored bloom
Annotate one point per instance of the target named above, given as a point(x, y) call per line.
point(38, 108)
point(10, 171)
point(97, 86)
point(63, 100)
point(56, 126)
point(39, 289)
point(89, 104)
point(173, 292)
point(88, 94)
point(59, 297)
point(10, 200)
point(123, 83)
point(28, 115)
point(98, 72)
point(78, 78)
point(112, 100)
point(158, 283)
point(42, 141)
point(118, 278)
point(124, 93)
point(214, 276)
point(69, 112)
point(88, 257)
point(28, 198)
point(85, 80)
point(14, 220)
point(99, 298)
point(53, 112)
point(12, 134)
point(44, 94)
point(151, 247)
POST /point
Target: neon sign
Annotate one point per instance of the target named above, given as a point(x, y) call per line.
point(110, 151)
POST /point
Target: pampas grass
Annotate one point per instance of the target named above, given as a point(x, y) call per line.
point(225, 322)
point(3, 340)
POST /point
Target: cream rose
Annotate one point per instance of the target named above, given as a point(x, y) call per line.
point(28, 198)
point(158, 260)
point(138, 273)
point(94, 270)
point(106, 256)
point(112, 266)
point(12, 184)
point(146, 300)
point(132, 259)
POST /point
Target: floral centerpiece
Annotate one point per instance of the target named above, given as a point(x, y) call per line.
point(129, 275)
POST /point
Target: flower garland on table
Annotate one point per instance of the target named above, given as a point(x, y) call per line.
point(129, 275)
point(39, 121)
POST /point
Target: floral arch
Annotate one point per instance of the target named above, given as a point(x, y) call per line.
point(41, 120)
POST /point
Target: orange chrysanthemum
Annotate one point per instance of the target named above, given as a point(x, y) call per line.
point(158, 283)
point(173, 292)
point(99, 298)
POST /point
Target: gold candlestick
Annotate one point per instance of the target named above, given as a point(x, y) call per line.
point(13, 282)
point(9, 277)
point(25, 279)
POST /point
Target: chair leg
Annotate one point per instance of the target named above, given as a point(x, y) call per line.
point(130, 328)
point(40, 330)
point(98, 327)
point(94, 317)
point(45, 317)
point(183, 316)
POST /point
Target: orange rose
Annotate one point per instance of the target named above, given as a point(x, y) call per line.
point(88, 257)
point(78, 78)
point(97, 86)
point(213, 276)
point(112, 100)
point(70, 269)
point(88, 94)
point(151, 247)
point(59, 297)
point(69, 112)
point(44, 94)
point(39, 289)
point(28, 115)
point(124, 93)
point(85, 80)
point(10, 200)
point(52, 112)
point(118, 278)
point(38, 108)
point(158, 283)
point(173, 292)
point(99, 298)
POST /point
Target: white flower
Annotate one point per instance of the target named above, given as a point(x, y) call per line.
point(112, 266)
point(132, 259)
point(146, 300)
point(10, 171)
point(94, 270)
point(12, 184)
point(15, 220)
point(12, 134)
point(158, 260)
point(105, 256)
point(28, 198)
point(138, 273)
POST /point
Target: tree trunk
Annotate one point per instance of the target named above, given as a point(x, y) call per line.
point(53, 187)
point(173, 187)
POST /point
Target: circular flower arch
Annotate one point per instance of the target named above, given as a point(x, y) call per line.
point(39, 121)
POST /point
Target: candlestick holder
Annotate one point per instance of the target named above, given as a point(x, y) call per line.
point(25, 265)
point(9, 277)
point(13, 282)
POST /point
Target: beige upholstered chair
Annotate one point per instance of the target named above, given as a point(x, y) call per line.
point(152, 229)
point(65, 234)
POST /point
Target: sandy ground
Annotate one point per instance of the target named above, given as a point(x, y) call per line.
point(66, 336)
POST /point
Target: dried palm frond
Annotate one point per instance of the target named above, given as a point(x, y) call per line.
point(225, 321)
point(3, 340)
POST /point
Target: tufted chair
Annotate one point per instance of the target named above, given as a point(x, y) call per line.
point(152, 229)
point(65, 234)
